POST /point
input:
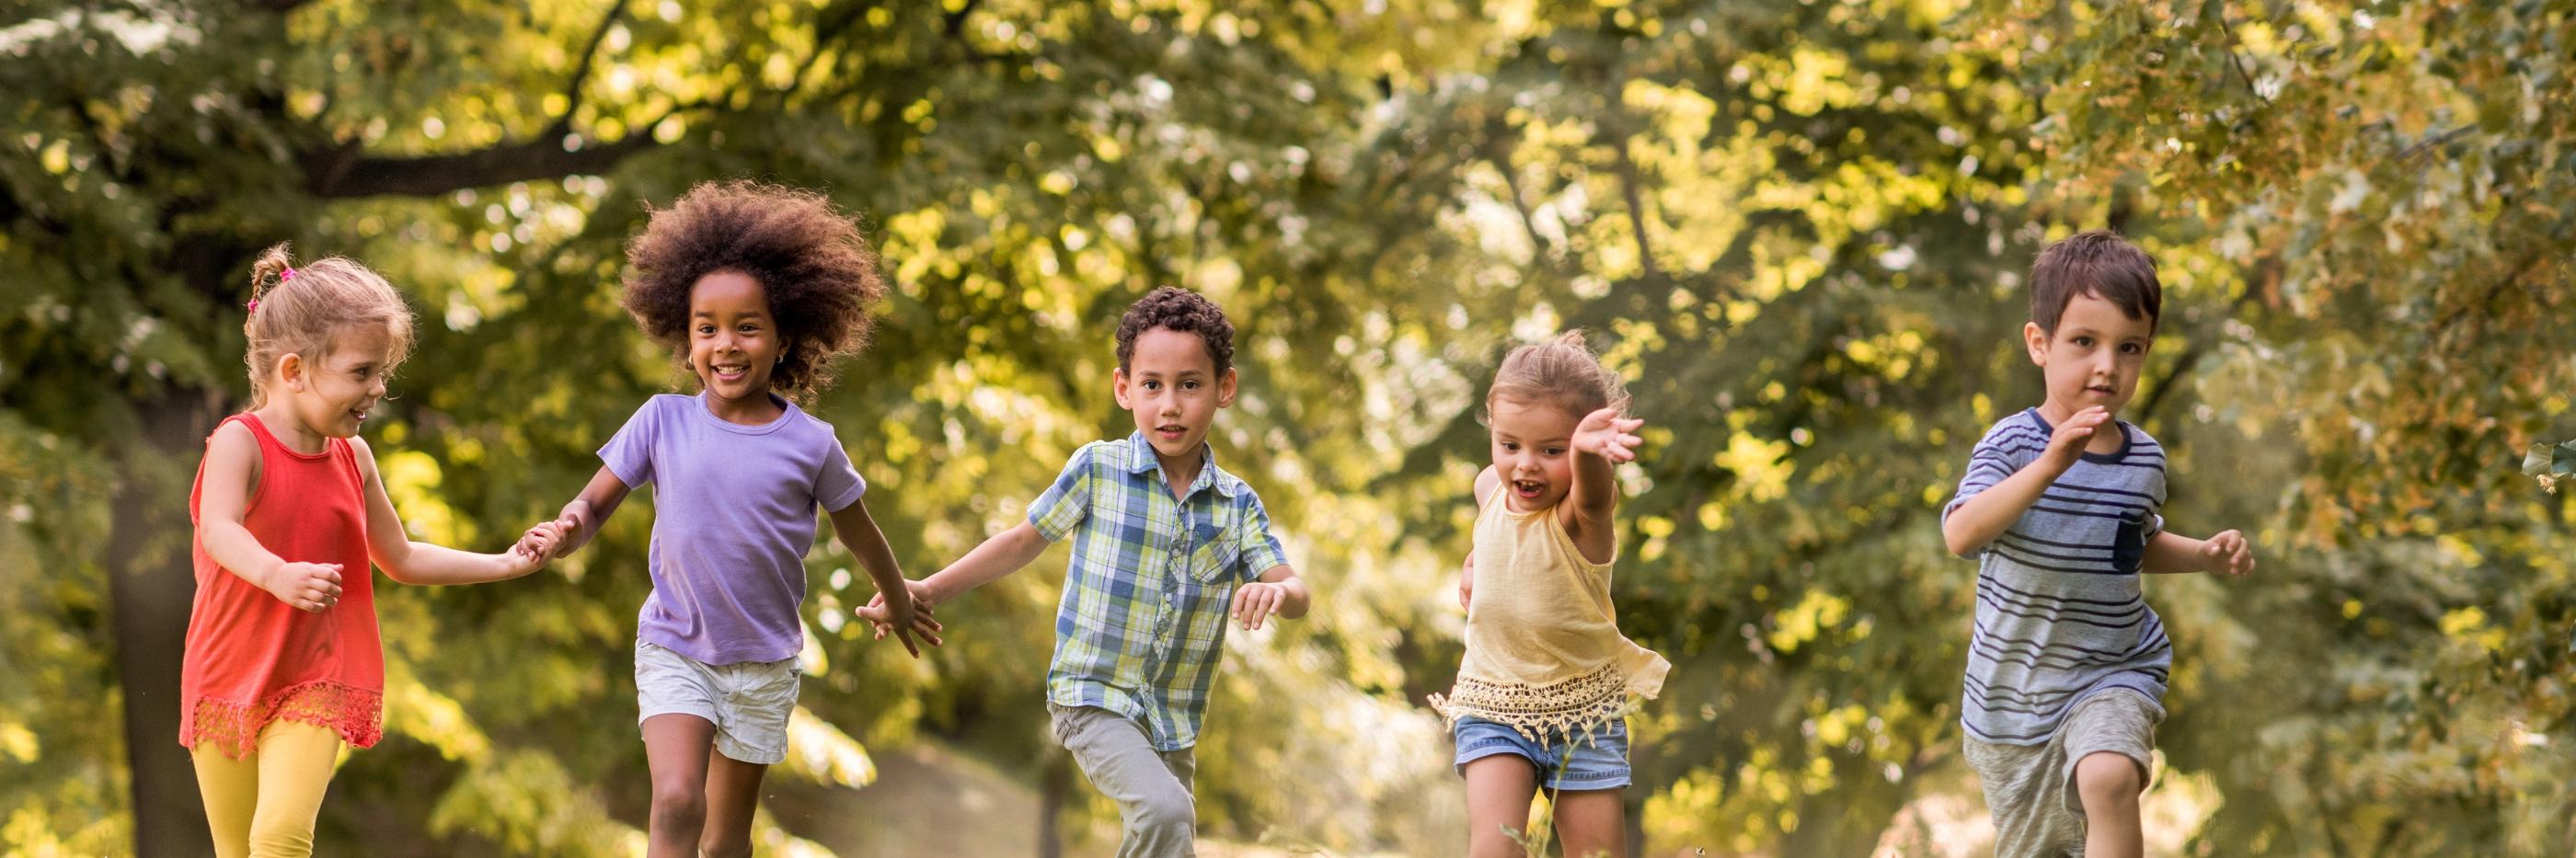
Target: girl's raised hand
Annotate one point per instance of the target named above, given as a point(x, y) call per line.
point(1606, 434)
point(309, 587)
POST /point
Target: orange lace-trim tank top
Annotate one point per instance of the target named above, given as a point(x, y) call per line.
point(251, 659)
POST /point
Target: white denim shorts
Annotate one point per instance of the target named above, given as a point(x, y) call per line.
point(748, 702)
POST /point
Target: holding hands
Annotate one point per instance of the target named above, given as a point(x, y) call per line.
point(540, 544)
point(918, 621)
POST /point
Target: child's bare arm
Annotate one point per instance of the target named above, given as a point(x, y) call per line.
point(1486, 480)
point(2227, 553)
point(998, 556)
point(1991, 512)
point(413, 562)
point(858, 531)
point(1006, 552)
point(582, 518)
point(232, 474)
point(1600, 442)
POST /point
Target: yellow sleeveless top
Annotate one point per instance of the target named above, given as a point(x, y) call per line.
point(1544, 652)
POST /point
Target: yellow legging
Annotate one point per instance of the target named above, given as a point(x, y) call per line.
point(264, 804)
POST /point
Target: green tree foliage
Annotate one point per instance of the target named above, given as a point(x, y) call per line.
point(1800, 228)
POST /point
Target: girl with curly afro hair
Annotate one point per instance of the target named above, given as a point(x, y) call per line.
point(758, 290)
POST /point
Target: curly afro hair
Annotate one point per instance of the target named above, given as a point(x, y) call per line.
point(1177, 309)
point(818, 271)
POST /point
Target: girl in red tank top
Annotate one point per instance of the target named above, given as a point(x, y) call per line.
point(282, 663)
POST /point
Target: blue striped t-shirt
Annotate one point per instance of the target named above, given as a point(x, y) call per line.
point(2059, 613)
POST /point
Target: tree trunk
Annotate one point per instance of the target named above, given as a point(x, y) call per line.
point(150, 587)
point(1058, 786)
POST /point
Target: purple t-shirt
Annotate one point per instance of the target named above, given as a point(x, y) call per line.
point(734, 515)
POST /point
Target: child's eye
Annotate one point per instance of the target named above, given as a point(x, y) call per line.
point(1556, 451)
point(2132, 348)
point(2086, 342)
point(1507, 445)
point(1190, 385)
point(706, 329)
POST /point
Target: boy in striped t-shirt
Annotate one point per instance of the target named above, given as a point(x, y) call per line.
point(2067, 666)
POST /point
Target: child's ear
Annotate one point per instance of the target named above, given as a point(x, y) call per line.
point(290, 366)
point(2037, 340)
point(1118, 385)
point(1225, 385)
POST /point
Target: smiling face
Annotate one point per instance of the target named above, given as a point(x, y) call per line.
point(1172, 386)
point(733, 345)
point(331, 396)
point(1533, 452)
point(2093, 358)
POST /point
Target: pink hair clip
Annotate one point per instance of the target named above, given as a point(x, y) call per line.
point(254, 306)
point(289, 275)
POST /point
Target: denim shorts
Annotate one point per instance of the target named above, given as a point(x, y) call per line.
point(1594, 759)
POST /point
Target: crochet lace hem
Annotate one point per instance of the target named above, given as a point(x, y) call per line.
point(1562, 708)
point(357, 714)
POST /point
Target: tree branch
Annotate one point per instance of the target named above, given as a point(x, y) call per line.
point(581, 72)
point(1498, 151)
point(2190, 358)
point(2237, 61)
point(344, 173)
point(1635, 199)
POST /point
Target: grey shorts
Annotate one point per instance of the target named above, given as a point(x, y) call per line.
point(2030, 789)
point(748, 702)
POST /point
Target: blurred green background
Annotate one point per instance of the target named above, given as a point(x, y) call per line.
point(1800, 227)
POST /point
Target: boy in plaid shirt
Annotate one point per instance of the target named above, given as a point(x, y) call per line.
point(1166, 546)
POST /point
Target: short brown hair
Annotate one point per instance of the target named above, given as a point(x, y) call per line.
point(302, 311)
point(1562, 372)
point(1177, 309)
point(2098, 263)
point(818, 272)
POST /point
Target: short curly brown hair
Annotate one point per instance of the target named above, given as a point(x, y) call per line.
point(2098, 263)
point(818, 271)
point(1177, 309)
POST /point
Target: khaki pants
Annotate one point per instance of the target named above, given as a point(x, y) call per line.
point(1152, 788)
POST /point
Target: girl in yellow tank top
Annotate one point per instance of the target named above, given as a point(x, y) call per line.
point(1547, 676)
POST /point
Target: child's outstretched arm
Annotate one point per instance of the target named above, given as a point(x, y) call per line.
point(1002, 554)
point(1277, 592)
point(1987, 515)
point(581, 519)
point(1600, 443)
point(2227, 554)
point(413, 562)
point(998, 556)
point(232, 470)
point(858, 531)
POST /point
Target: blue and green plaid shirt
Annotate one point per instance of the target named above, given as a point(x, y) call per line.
point(1146, 596)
